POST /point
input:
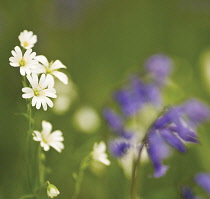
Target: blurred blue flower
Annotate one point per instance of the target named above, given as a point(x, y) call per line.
point(157, 150)
point(170, 129)
point(159, 67)
point(196, 111)
point(203, 180)
point(119, 147)
point(136, 95)
point(187, 193)
point(115, 122)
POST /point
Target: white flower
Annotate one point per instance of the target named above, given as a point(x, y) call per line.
point(48, 139)
point(26, 62)
point(52, 190)
point(41, 91)
point(51, 68)
point(86, 119)
point(99, 153)
point(27, 39)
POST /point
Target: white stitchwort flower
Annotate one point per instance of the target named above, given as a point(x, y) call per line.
point(26, 62)
point(51, 68)
point(27, 39)
point(52, 190)
point(48, 139)
point(41, 90)
point(99, 153)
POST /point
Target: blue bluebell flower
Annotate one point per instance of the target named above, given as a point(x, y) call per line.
point(203, 180)
point(187, 193)
point(157, 150)
point(196, 111)
point(116, 123)
point(170, 129)
point(132, 98)
point(119, 147)
point(159, 67)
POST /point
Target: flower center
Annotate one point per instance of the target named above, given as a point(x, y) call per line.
point(48, 71)
point(44, 139)
point(36, 92)
point(22, 62)
point(39, 91)
point(25, 43)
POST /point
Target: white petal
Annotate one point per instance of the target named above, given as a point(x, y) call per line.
point(34, 100)
point(22, 71)
point(48, 101)
point(58, 146)
point(27, 95)
point(57, 65)
point(37, 136)
point(38, 103)
point(46, 127)
point(61, 76)
point(14, 64)
point(19, 52)
point(27, 90)
point(42, 59)
point(51, 92)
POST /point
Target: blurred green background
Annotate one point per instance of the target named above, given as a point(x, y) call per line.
point(101, 42)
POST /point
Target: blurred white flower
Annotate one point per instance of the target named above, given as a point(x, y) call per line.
point(27, 39)
point(51, 68)
point(41, 90)
point(86, 119)
point(52, 190)
point(26, 62)
point(67, 93)
point(48, 139)
point(99, 153)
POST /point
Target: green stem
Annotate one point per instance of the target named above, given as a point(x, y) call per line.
point(79, 177)
point(135, 171)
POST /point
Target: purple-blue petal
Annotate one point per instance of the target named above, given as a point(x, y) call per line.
point(187, 193)
point(113, 120)
point(173, 140)
point(203, 180)
point(172, 115)
point(185, 132)
point(159, 66)
point(196, 111)
point(157, 150)
point(119, 147)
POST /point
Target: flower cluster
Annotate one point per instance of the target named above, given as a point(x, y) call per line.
point(132, 99)
point(39, 72)
point(173, 128)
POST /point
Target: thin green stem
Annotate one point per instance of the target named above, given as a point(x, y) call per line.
point(79, 176)
point(135, 171)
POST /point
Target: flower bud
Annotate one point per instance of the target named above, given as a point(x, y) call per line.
point(52, 190)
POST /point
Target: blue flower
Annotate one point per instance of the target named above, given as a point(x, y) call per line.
point(196, 111)
point(136, 95)
point(187, 193)
point(119, 147)
point(203, 180)
point(159, 67)
point(157, 150)
point(169, 129)
point(116, 123)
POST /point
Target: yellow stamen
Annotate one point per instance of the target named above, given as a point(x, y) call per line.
point(25, 43)
point(22, 62)
point(36, 93)
point(48, 70)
